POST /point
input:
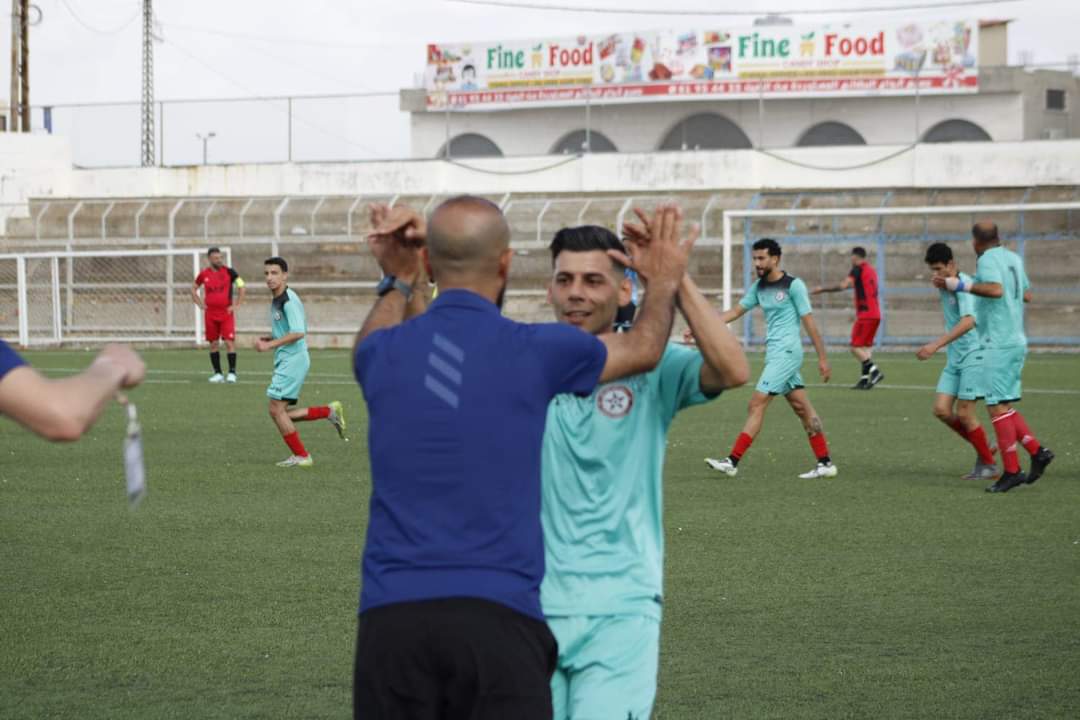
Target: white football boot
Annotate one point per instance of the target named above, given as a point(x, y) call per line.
point(296, 461)
point(823, 470)
point(724, 465)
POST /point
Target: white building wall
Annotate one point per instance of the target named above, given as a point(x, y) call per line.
point(642, 127)
point(943, 165)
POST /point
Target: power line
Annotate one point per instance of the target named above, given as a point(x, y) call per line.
point(300, 118)
point(100, 31)
point(277, 39)
point(755, 13)
point(283, 60)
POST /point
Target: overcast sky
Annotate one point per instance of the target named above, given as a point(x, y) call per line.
point(243, 48)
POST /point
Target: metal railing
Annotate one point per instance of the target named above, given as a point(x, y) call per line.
point(328, 232)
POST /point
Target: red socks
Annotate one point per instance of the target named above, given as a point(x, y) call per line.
point(318, 413)
point(1023, 433)
point(294, 443)
point(742, 444)
point(1005, 429)
point(957, 426)
point(820, 447)
point(977, 438)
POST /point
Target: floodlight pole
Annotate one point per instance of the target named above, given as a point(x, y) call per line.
point(205, 139)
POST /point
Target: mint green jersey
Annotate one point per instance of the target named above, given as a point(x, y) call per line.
point(955, 307)
point(287, 316)
point(784, 303)
point(602, 468)
point(1000, 320)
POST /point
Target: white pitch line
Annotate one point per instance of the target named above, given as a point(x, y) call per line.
point(929, 388)
point(193, 373)
point(159, 381)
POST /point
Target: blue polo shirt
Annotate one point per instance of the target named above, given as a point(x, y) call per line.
point(457, 400)
point(9, 359)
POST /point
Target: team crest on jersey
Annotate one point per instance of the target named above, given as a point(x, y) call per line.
point(780, 295)
point(615, 401)
point(277, 315)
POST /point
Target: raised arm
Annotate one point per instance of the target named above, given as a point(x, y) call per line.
point(819, 346)
point(725, 363)
point(62, 410)
point(660, 257)
point(396, 240)
point(966, 324)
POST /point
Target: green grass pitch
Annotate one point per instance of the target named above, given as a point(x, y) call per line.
point(895, 590)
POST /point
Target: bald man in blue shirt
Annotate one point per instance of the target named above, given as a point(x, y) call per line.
point(450, 619)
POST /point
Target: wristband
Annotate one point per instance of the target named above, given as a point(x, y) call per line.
point(955, 284)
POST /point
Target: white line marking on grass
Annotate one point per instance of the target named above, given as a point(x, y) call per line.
point(192, 373)
point(159, 381)
point(931, 388)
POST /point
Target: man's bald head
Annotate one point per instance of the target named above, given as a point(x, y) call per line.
point(985, 233)
point(466, 237)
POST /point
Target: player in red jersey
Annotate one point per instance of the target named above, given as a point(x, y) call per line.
point(863, 278)
point(218, 306)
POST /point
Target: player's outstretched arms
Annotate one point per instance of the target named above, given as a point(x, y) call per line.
point(63, 410)
point(725, 363)
point(839, 287)
point(660, 255)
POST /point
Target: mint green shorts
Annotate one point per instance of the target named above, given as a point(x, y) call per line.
point(783, 371)
point(1002, 368)
point(964, 380)
point(607, 667)
point(288, 378)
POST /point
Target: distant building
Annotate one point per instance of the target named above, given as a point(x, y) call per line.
point(1005, 104)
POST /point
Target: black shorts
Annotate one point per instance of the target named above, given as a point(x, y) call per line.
point(452, 658)
point(624, 318)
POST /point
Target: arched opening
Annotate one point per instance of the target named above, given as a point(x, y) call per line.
point(471, 145)
point(574, 142)
point(830, 133)
point(956, 131)
point(705, 131)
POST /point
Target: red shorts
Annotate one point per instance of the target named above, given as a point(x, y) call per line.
point(863, 331)
point(219, 324)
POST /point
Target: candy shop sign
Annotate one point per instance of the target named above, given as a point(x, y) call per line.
point(722, 63)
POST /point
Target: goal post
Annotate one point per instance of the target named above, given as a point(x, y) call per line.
point(817, 243)
point(100, 296)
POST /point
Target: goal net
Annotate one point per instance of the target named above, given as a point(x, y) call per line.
point(817, 244)
point(50, 298)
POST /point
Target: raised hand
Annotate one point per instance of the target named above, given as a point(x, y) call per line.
point(396, 239)
point(402, 222)
point(660, 253)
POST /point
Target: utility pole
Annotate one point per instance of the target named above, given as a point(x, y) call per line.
point(148, 85)
point(20, 66)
